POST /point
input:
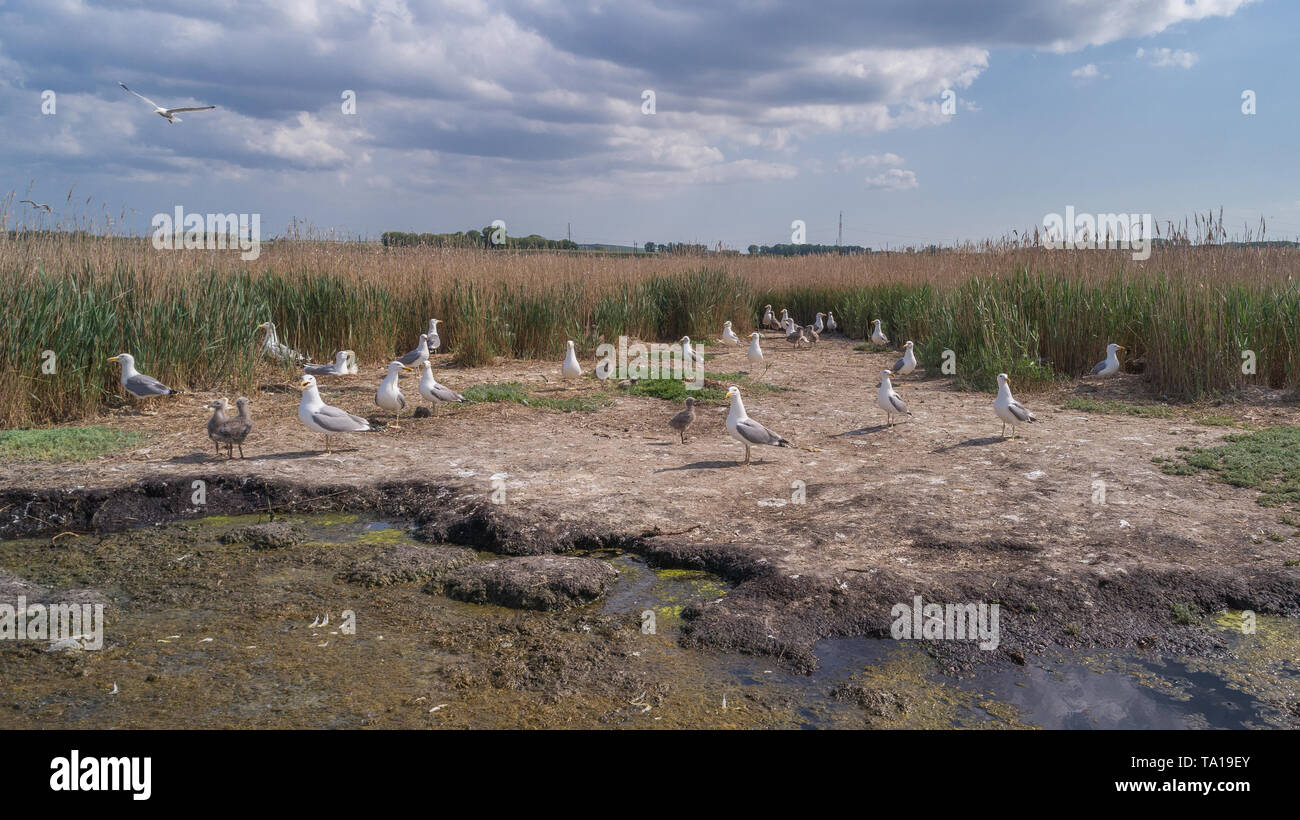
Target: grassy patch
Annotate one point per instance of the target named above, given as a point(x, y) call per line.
point(65, 443)
point(1155, 411)
point(1266, 460)
point(1217, 421)
point(520, 394)
point(1185, 614)
point(712, 393)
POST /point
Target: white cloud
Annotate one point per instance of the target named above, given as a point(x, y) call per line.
point(1169, 58)
point(1086, 72)
point(895, 179)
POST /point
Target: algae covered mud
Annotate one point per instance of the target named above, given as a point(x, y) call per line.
point(340, 621)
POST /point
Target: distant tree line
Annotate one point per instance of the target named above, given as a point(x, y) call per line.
point(805, 249)
point(474, 239)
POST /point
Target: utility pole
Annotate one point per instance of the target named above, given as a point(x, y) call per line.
point(570, 231)
point(839, 238)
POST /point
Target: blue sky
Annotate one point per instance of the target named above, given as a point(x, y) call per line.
point(766, 111)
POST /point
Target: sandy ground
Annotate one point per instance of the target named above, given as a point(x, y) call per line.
point(938, 504)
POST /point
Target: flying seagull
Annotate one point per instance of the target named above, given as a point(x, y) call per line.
point(1008, 409)
point(1110, 366)
point(168, 114)
point(40, 206)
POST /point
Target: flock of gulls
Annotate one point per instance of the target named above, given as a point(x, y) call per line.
point(229, 427)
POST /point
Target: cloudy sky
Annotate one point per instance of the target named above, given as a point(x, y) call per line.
point(921, 121)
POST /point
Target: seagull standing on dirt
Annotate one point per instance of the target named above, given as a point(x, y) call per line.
point(324, 419)
point(793, 333)
point(747, 431)
point(877, 334)
point(339, 368)
point(768, 319)
point(888, 400)
point(819, 325)
point(234, 429)
point(352, 368)
point(1110, 366)
point(1008, 409)
point(688, 352)
point(831, 326)
point(168, 113)
point(571, 369)
point(272, 347)
point(684, 418)
point(435, 341)
point(138, 384)
point(728, 335)
point(389, 395)
point(785, 318)
point(755, 353)
point(434, 392)
point(907, 363)
point(419, 355)
point(220, 415)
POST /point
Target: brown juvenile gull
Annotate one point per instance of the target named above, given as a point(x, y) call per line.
point(682, 421)
point(220, 415)
point(233, 431)
point(747, 431)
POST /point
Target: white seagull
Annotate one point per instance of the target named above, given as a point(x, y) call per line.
point(389, 395)
point(755, 353)
point(322, 418)
point(1008, 409)
point(168, 114)
point(138, 384)
point(877, 334)
point(819, 325)
point(745, 430)
point(907, 363)
point(420, 354)
point(831, 326)
point(688, 352)
point(1110, 366)
point(434, 392)
point(728, 335)
point(435, 341)
point(888, 400)
point(768, 319)
point(271, 345)
point(571, 369)
point(338, 368)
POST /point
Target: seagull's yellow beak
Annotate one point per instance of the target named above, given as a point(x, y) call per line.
point(405, 367)
point(304, 384)
point(112, 358)
point(1123, 348)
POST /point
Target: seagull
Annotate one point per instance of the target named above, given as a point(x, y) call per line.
point(728, 335)
point(793, 333)
point(40, 206)
point(755, 353)
point(747, 431)
point(877, 335)
point(220, 415)
point(684, 418)
point(810, 333)
point(688, 352)
point(138, 384)
point(339, 368)
point(831, 326)
point(352, 363)
point(322, 418)
point(571, 369)
point(1110, 366)
point(1008, 409)
point(785, 317)
point(232, 431)
point(434, 392)
point(168, 113)
point(907, 363)
point(272, 347)
point(818, 325)
point(420, 354)
point(888, 400)
point(389, 395)
point(768, 319)
point(435, 341)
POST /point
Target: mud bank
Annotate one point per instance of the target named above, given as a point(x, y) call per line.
point(771, 611)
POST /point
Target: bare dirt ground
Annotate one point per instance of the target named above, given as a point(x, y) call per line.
point(937, 506)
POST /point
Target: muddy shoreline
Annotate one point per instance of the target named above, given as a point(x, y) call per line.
point(769, 612)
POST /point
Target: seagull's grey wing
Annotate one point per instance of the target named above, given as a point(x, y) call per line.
point(898, 365)
point(339, 421)
point(142, 385)
point(445, 393)
point(898, 404)
point(1020, 411)
point(1098, 367)
point(200, 108)
point(141, 96)
point(755, 433)
point(412, 357)
point(320, 370)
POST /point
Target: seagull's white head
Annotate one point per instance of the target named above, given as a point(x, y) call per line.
point(307, 382)
point(876, 322)
point(1003, 378)
point(571, 345)
point(733, 392)
point(126, 359)
point(1112, 347)
point(726, 324)
point(428, 368)
point(424, 337)
point(907, 345)
point(395, 366)
point(756, 335)
point(686, 340)
point(821, 315)
point(885, 374)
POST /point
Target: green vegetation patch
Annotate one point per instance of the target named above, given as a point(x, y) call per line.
point(66, 443)
point(520, 394)
point(1265, 460)
point(713, 392)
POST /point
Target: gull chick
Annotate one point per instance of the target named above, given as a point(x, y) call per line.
point(1008, 409)
point(233, 430)
point(888, 400)
point(220, 414)
point(747, 431)
point(684, 418)
point(324, 419)
point(769, 320)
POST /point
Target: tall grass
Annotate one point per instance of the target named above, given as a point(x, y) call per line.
point(190, 316)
